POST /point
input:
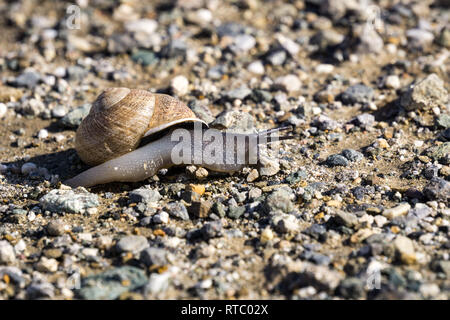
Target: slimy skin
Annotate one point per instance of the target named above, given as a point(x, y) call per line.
point(134, 166)
point(146, 161)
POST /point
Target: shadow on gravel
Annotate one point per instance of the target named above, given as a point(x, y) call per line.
point(388, 112)
point(56, 163)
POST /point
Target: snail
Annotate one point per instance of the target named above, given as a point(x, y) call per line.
point(128, 136)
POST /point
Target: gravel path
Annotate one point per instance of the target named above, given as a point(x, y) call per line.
point(356, 207)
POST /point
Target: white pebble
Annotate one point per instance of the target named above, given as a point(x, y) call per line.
point(429, 290)
point(28, 167)
point(316, 111)
point(180, 85)
point(59, 137)
point(43, 134)
point(59, 72)
point(203, 16)
point(325, 68)
point(146, 26)
point(161, 218)
point(256, 67)
point(391, 48)
point(290, 82)
point(3, 109)
point(47, 265)
point(380, 221)
point(31, 216)
point(20, 246)
point(436, 111)
point(7, 254)
point(392, 82)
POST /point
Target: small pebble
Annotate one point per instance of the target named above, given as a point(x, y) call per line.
point(180, 85)
point(28, 167)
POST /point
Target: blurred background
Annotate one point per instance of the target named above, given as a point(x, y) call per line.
point(63, 50)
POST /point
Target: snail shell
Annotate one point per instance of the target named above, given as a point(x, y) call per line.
point(121, 117)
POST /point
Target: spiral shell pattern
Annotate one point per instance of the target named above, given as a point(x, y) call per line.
point(121, 117)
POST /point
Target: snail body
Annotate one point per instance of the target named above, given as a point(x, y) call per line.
point(111, 139)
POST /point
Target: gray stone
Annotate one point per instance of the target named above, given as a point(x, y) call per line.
point(351, 288)
point(316, 231)
point(211, 230)
point(419, 38)
point(439, 152)
point(446, 134)
point(216, 72)
point(420, 211)
point(28, 79)
point(202, 111)
point(145, 195)
point(71, 201)
point(120, 43)
point(110, 284)
point(336, 9)
point(327, 38)
point(229, 29)
point(28, 167)
point(357, 93)
point(77, 73)
point(364, 120)
point(427, 93)
point(14, 274)
point(243, 43)
point(438, 189)
point(55, 228)
point(133, 244)
point(174, 49)
point(286, 224)
point(277, 58)
point(443, 120)
point(235, 212)
point(74, 117)
point(144, 57)
point(319, 277)
point(296, 177)
point(352, 155)
point(346, 218)
point(219, 209)
point(154, 257)
point(40, 290)
point(369, 39)
point(234, 121)
point(238, 93)
point(177, 210)
point(280, 200)
point(336, 160)
point(324, 122)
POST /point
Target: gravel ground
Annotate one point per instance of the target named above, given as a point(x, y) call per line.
point(356, 207)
